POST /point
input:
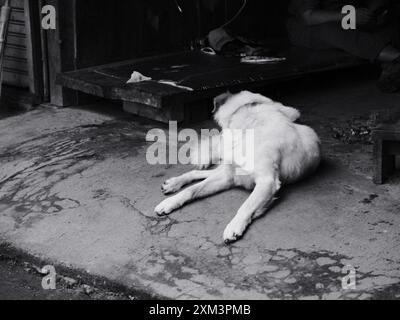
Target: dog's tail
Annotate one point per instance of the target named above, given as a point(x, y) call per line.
point(206, 152)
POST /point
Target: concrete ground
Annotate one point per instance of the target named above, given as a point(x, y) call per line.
point(21, 278)
point(76, 190)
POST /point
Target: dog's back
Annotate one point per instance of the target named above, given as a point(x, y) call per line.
point(278, 140)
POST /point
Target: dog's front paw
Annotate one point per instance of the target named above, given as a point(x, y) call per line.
point(166, 207)
point(234, 231)
point(171, 186)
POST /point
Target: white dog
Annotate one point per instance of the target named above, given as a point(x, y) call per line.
point(284, 153)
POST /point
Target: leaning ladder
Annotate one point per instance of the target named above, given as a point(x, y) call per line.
point(4, 20)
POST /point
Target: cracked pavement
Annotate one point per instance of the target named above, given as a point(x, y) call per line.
point(75, 188)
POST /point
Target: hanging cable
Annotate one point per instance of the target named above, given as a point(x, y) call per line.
point(236, 15)
point(226, 23)
point(178, 6)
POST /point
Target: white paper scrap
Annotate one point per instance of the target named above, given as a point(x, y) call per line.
point(138, 77)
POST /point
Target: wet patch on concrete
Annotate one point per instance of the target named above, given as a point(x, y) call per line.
point(32, 168)
point(281, 274)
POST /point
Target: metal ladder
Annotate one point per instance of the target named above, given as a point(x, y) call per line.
point(4, 20)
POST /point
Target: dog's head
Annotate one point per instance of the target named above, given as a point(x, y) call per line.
point(227, 104)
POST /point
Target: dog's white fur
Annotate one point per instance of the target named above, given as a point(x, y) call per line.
point(285, 152)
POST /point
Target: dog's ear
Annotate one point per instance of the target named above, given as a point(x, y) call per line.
point(290, 112)
point(221, 100)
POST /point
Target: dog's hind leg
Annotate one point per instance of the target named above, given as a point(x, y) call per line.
point(260, 198)
point(221, 179)
point(175, 184)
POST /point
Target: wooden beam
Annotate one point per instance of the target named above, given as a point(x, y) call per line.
point(33, 45)
point(197, 75)
point(4, 19)
point(62, 50)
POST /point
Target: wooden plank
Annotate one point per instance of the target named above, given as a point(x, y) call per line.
point(389, 131)
point(150, 93)
point(184, 114)
point(17, 15)
point(16, 64)
point(15, 78)
point(5, 11)
point(165, 115)
point(15, 51)
point(16, 39)
point(33, 46)
point(386, 148)
point(17, 27)
point(61, 47)
point(206, 75)
point(385, 153)
point(15, 3)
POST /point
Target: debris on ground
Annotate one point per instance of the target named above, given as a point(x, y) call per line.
point(370, 199)
point(358, 130)
point(69, 282)
point(88, 290)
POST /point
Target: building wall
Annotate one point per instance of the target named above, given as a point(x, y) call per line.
point(15, 66)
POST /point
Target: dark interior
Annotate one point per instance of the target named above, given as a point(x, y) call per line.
point(129, 30)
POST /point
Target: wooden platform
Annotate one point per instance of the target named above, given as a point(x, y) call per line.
point(386, 148)
point(206, 75)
